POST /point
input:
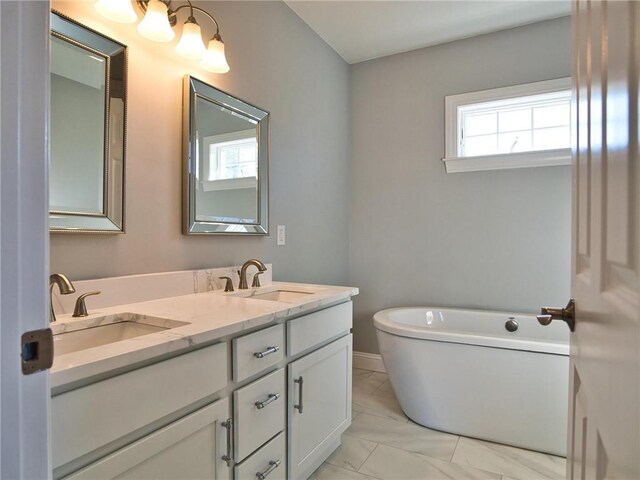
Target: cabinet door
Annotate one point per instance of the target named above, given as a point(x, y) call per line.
point(319, 405)
point(190, 448)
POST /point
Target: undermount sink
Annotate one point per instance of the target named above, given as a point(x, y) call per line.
point(281, 295)
point(95, 332)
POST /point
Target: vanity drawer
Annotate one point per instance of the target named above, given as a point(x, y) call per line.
point(315, 328)
point(254, 353)
point(270, 461)
point(255, 424)
point(92, 416)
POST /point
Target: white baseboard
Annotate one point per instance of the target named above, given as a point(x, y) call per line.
point(368, 361)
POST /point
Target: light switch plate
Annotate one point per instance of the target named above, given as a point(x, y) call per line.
point(280, 239)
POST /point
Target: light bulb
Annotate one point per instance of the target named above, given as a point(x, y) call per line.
point(117, 10)
point(155, 24)
point(214, 60)
point(190, 45)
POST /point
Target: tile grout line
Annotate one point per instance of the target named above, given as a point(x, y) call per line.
point(377, 388)
point(508, 460)
point(510, 455)
point(375, 413)
point(368, 456)
point(454, 450)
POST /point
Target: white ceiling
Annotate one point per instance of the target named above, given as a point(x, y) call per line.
point(361, 30)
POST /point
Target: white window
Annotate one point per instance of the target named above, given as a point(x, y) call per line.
point(512, 127)
point(231, 160)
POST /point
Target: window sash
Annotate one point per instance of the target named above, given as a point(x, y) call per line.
point(528, 104)
point(536, 129)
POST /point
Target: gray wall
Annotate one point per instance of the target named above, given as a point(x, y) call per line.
point(494, 240)
point(277, 63)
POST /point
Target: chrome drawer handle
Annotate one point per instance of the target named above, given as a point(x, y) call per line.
point(268, 351)
point(273, 464)
point(272, 398)
point(299, 381)
point(229, 456)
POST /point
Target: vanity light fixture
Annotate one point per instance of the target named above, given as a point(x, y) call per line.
point(159, 18)
point(117, 10)
point(190, 45)
point(155, 25)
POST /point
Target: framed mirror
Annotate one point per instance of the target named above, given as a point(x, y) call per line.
point(87, 129)
point(226, 163)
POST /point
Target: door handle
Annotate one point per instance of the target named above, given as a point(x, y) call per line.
point(272, 397)
point(266, 352)
point(566, 314)
point(228, 458)
point(273, 464)
point(299, 381)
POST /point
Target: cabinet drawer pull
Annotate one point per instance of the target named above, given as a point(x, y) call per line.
point(299, 381)
point(271, 398)
point(229, 456)
point(268, 351)
point(273, 464)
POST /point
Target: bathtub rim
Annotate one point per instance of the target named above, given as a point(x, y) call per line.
point(383, 323)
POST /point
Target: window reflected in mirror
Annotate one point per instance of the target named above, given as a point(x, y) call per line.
point(228, 172)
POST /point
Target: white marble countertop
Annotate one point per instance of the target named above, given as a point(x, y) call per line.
point(209, 316)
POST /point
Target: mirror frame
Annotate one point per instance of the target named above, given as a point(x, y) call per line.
point(112, 219)
point(192, 90)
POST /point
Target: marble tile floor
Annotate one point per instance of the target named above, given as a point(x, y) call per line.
point(383, 444)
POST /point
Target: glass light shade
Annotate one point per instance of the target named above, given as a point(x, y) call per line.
point(155, 24)
point(214, 60)
point(190, 45)
point(117, 10)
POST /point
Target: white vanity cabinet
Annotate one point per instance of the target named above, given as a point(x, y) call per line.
point(270, 404)
point(319, 405)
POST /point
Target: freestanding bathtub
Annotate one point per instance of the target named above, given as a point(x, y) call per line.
point(463, 372)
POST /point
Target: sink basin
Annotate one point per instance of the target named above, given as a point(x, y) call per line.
point(91, 335)
point(281, 295)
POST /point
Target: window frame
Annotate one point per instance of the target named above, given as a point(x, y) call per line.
point(538, 158)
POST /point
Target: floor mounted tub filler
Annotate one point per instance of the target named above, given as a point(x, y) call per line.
point(491, 375)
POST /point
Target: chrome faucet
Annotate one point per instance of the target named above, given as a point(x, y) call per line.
point(65, 286)
point(243, 272)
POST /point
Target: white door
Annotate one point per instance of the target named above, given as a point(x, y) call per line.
point(604, 420)
point(24, 236)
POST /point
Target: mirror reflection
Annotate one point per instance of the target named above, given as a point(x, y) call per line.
point(226, 163)
point(87, 129)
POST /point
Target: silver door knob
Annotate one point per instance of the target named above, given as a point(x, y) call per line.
point(566, 314)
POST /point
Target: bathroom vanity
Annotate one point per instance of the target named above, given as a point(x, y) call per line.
point(218, 385)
